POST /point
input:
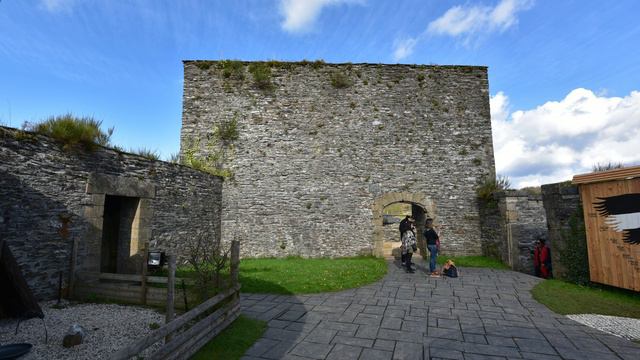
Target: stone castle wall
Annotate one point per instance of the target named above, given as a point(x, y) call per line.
point(321, 143)
point(50, 198)
point(511, 225)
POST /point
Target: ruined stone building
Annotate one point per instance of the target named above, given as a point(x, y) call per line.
point(322, 149)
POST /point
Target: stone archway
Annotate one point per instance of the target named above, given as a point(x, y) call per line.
point(415, 199)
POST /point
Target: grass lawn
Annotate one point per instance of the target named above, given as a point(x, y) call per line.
point(233, 341)
point(305, 276)
point(567, 298)
point(473, 261)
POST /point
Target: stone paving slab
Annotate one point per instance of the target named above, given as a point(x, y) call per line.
point(484, 314)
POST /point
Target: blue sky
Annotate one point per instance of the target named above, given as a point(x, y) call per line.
point(564, 75)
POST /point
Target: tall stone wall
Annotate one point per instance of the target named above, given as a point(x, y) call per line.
point(50, 198)
point(321, 142)
point(562, 205)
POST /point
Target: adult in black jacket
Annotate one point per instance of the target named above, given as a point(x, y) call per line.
point(431, 237)
point(405, 225)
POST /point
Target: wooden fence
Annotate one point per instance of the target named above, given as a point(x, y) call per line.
point(182, 336)
point(611, 205)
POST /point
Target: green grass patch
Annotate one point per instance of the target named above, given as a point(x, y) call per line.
point(567, 298)
point(306, 276)
point(73, 131)
point(233, 341)
point(473, 261)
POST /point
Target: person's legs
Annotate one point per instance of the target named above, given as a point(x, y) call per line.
point(408, 262)
point(433, 251)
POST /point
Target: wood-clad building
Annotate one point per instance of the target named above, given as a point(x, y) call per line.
point(611, 205)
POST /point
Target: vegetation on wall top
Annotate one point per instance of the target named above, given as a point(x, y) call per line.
point(606, 167)
point(490, 185)
point(73, 131)
point(261, 75)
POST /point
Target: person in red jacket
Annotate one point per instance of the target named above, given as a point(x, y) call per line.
point(542, 259)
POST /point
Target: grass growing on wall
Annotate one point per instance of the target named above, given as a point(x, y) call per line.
point(233, 341)
point(73, 131)
point(567, 298)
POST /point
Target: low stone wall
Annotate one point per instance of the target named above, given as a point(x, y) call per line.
point(51, 199)
point(561, 204)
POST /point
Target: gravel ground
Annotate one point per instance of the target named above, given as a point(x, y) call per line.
point(627, 328)
point(109, 327)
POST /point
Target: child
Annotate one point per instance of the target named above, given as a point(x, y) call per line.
point(449, 269)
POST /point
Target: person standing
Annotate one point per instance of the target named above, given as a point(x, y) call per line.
point(542, 259)
point(405, 225)
point(408, 247)
point(432, 239)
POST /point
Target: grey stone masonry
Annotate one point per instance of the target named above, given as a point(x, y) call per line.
point(562, 205)
point(321, 143)
point(511, 224)
point(51, 198)
point(483, 314)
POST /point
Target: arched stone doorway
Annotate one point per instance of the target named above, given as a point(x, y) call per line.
point(419, 201)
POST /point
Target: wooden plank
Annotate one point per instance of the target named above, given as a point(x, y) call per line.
point(611, 260)
point(171, 288)
point(143, 282)
point(626, 173)
point(191, 349)
point(156, 335)
point(235, 262)
point(192, 335)
point(83, 275)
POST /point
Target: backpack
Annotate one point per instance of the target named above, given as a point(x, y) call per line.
point(452, 271)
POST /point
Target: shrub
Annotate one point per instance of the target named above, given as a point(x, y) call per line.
point(339, 80)
point(232, 69)
point(574, 254)
point(146, 153)
point(174, 158)
point(490, 185)
point(204, 65)
point(73, 131)
point(227, 130)
point(261, 75)
point(606, 167)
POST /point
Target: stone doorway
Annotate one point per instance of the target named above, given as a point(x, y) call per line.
point(120, 241)
point(416, 204)
point(392, 215)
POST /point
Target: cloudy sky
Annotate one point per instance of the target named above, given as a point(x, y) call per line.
point(564, 75)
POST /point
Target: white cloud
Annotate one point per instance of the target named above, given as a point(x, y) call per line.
point(403, 48)
point(467, 22)
point(57, 5)
point(559, 139)
point(300, 15)
point(471, 20)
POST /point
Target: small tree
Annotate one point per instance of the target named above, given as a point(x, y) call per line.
point(208, 259)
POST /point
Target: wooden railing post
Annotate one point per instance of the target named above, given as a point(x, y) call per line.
point(235, 262)
point(143, 282)
point(171, 289)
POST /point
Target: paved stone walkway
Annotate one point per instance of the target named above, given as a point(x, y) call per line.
point(484, 314)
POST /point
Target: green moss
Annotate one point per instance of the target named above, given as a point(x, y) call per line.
point(204, 64)
point(232, 69)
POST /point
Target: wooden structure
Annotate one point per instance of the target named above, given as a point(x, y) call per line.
point(611, 205)
point(186, 334)
point(17, 300)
